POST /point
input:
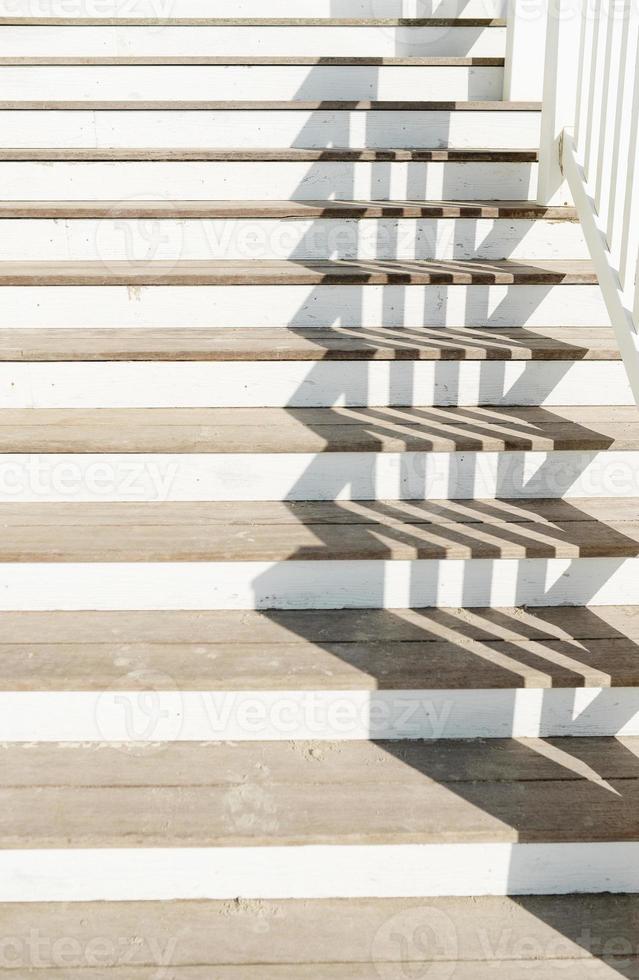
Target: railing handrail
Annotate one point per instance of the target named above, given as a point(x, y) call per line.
point(589, 149)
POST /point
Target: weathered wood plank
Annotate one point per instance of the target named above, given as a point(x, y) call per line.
point(313, 344)
point(303, 794)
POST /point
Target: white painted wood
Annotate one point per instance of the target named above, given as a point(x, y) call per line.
point(317, 871)
point(311, 384)
point(560, 95)
point(244, 181)
point(161, 477)
point(525, 50)
point(219, 306)
point(319, 584)
point(32, 41)
point(116, 239)
point(621, 313)
point(317, 128)
point(284, 82)
point(253, 8)
point(157, 717)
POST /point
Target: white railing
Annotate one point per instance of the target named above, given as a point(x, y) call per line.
point(589, 134)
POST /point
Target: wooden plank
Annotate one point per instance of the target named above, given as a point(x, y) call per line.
point(329, 105)
point(292, 210)
point(319, 532)
point(447, 22)
point(277, 155)
point(312, 344)
point(248, 60)
point(246, 430)
point(282, 273)
point(296, 794)
point(534, 934)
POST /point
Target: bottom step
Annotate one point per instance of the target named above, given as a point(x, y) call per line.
point(340, 939)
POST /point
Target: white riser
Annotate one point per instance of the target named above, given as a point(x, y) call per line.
point(139, 239)
point(269, 129)
point(276, 306)
point(322, 41)
point(122, 716)
point(245, 181)
point(282, 82)
point(42, 586)
point(316, 384)
point(155, 477)
point(318, 871)
point(253, 8)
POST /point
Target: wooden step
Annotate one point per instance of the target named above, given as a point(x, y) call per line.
point(365, 430)
point(440, 61)
point(329, 154)
point(348, 650)
point(488, 938)
point(314, 344)
point(283, 273)
point(245, 105)
point(320, 531)
point(358, 793)
point(291, 210)
point(441, 22)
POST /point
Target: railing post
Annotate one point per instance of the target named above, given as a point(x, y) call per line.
point(559, 109)
point(525, 45)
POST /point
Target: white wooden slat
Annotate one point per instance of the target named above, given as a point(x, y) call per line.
point(253, 8)
point(243, 181)
point(122, 716)
point(167, 40)
point(145, 239)
point(163, 477)
point(236, 82)
point(319, 584)
point(318, 871)
point(270, 128)
point(311, 384)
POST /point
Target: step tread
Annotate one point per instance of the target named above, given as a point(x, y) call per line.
point(330, 154)
point(414, 61)
point(312, 344)
point(309, 430)
point(488, 937)
point(252, 21)
point(282, 272)
point(319, 531)
point(136, 208)
point(350, 650)
point(269, 105)
point(287, 794)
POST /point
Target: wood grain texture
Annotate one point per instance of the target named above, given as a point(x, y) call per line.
point(252, 22)
point(287, 794)
point(327, 105)
point(309, 430)
point(283, 273)
point(310, 651)
point(292, 210)
point(319, 531)
point(490, 937)
point(416, 61)
point(312, 344)
point(277, 155)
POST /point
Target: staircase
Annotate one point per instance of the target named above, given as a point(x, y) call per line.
point(319, 572)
